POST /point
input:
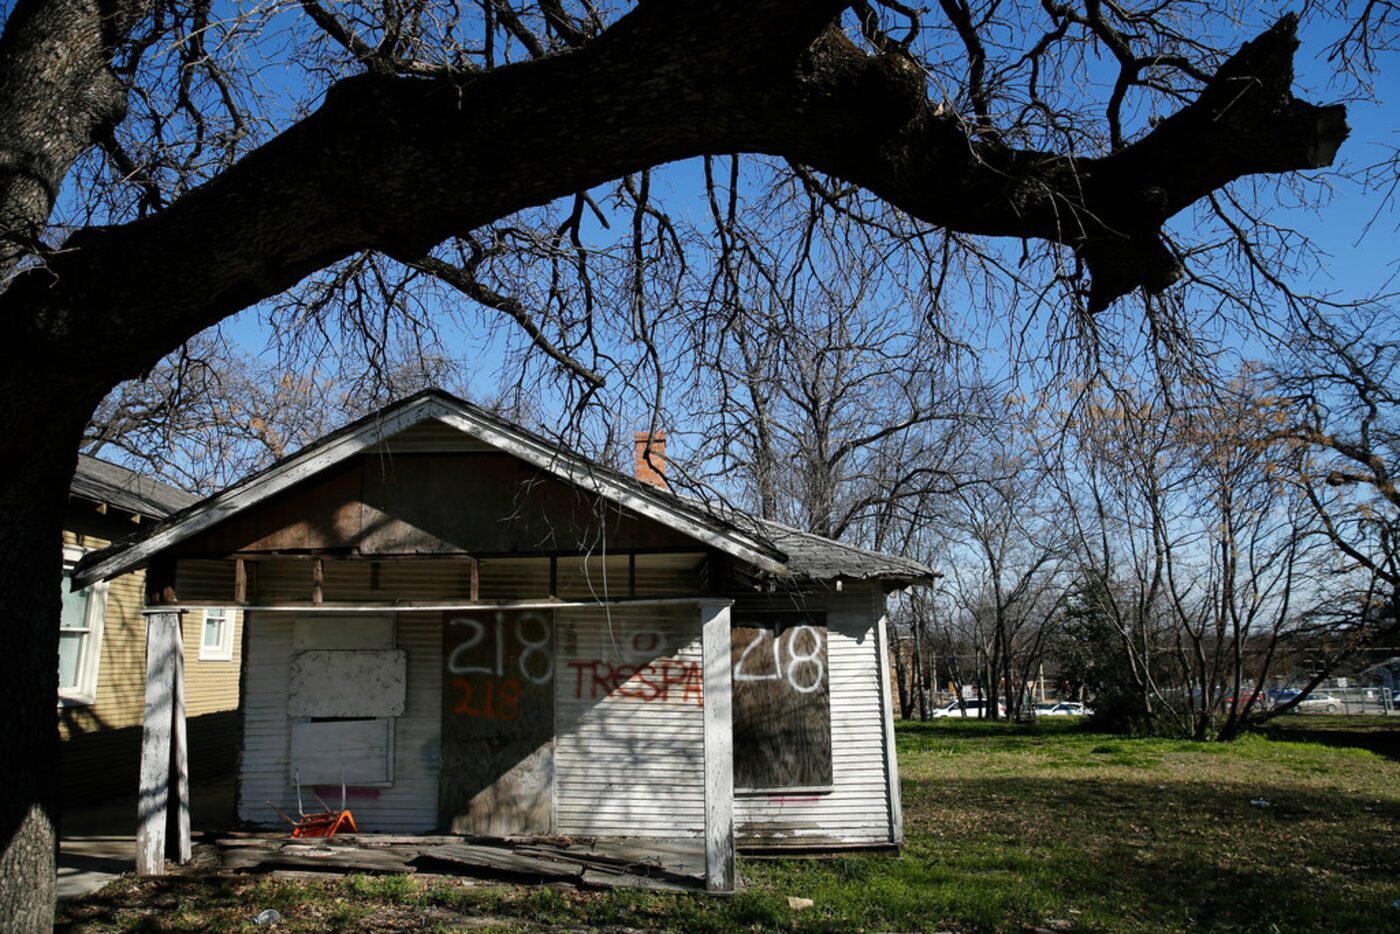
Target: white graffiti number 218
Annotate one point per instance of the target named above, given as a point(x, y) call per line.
point(532, 648)
point(804, 670)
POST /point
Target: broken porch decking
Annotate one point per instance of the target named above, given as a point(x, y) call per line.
point(667, 865)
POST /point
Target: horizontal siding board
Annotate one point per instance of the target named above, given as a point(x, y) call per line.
point(626, 766)
point(623, 766)
point(409, 804)
point(204, 580)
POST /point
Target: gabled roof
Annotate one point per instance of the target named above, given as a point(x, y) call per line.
point(770, 547)
point(104, 482)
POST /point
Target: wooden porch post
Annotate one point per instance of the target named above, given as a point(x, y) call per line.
point(719, 747)
point(164, 757)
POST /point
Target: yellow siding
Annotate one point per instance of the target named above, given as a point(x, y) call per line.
point(121, 670)
point(101, 742)
point(210, 686)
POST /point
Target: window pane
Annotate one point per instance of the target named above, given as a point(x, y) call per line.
point(213, 631)
point(74, 605)
point(70, 652)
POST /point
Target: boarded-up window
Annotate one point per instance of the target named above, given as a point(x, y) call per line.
point(345, 685)
point(782, 701)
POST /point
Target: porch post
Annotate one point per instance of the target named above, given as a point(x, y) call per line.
point(882, 651)
point(719, 747)
point(164, 757)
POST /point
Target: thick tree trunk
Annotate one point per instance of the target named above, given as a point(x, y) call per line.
point(57, 92)
point(37, 456)
point(400, 164)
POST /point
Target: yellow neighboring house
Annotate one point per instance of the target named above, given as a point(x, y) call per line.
point(102, 647)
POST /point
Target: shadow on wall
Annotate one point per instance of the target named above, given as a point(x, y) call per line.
point(96, 762)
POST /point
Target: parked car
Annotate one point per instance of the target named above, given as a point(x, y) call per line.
point(1247, 697)
point(1318, 700)
point(1063, 709)
point(972, 708)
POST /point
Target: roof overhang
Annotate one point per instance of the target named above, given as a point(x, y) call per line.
point(337, 447)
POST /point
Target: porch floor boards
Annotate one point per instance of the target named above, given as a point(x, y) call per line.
point(585, 862)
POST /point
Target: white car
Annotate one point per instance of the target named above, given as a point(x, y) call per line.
point(972, 708)
point(1318, 700)
point(1063, 709)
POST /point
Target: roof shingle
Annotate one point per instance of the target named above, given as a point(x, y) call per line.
point(104, 482)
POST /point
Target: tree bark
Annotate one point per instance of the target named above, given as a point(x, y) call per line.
point(57, 93)
point(40, 448)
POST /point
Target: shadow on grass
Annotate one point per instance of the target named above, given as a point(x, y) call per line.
point(1380, 735)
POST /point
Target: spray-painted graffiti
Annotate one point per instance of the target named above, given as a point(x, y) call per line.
point(498, 661)
point(800, 665)
point(487, 699)
point(486, 647)
point(663, 680)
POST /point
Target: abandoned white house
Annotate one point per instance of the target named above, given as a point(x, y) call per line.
point(486, 634)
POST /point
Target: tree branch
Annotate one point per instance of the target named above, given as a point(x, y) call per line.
point(400, 164)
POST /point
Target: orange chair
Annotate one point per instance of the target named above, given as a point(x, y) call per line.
point(325, 823)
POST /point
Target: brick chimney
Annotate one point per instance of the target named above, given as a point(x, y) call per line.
point(651, 457)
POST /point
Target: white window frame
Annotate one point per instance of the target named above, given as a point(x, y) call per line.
point(223, 652)
point(84, 693)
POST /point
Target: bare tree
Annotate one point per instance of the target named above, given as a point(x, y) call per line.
point(1337, 398)
point(1006, 555)
point(210, 414)
point(1193, 551)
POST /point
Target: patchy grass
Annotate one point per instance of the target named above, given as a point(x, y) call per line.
point(1008, 827)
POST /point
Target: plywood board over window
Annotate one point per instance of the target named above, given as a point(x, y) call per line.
point(782, 701)
point(345, 685)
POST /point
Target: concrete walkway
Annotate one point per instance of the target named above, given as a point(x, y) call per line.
point(87, 863)
point(97, 842)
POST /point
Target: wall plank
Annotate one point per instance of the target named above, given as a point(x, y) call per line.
point(630, 755)
point(498, 722)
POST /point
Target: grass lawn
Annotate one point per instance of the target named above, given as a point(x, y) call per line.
point(1007, 828)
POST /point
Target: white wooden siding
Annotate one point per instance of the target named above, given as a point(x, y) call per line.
point(857, 809)
point(625, 765)
point(628, 766)
point(409, 804)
